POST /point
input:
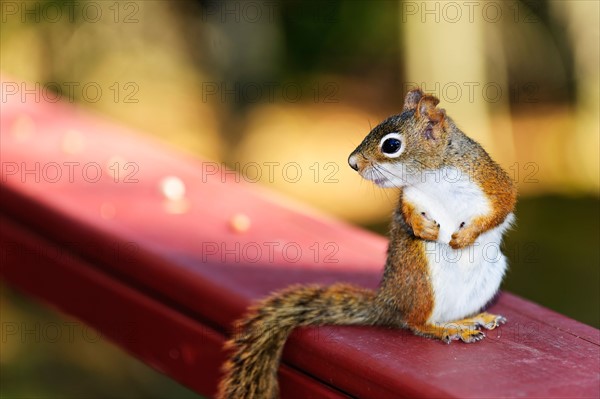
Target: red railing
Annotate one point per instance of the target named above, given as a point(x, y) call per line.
point(95, 223)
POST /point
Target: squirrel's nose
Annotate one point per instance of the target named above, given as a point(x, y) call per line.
point(353, 162)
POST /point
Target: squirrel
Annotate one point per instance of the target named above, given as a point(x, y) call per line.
point(455, 202)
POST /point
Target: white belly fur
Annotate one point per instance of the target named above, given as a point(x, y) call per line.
point(463, 280)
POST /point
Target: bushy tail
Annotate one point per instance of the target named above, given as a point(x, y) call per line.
point(251, 371)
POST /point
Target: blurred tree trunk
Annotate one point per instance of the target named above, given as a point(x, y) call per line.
point(446, 52)
point(583, 22)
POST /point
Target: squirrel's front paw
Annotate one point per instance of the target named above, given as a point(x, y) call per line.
point(425, 227)
point(464, 237)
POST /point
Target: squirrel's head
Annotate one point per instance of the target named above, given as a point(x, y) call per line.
point(403, 145)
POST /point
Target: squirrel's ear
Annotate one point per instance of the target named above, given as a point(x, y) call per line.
point(412, 99)
point(427, 108)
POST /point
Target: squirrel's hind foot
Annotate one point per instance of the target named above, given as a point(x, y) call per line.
point(464, 333)
point(487, 320)
point(454, 331)
point(467, 330)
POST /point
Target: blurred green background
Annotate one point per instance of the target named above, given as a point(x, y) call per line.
point(266, 81)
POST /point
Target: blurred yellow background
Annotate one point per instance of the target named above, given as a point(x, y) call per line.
point(267, 86)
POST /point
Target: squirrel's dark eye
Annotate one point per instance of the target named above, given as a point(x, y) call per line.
point(391, 145)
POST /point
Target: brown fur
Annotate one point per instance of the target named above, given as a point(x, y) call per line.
point(405, 298)
point(422, 226)
point(251, 371)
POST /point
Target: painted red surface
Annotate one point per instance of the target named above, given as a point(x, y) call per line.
point(166, 285)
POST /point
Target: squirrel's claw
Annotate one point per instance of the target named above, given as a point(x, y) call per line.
point(486, 320)
point(464, 237)
point(465, 334)
point(425, 227)
point(495, 322)
point(472, 336)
